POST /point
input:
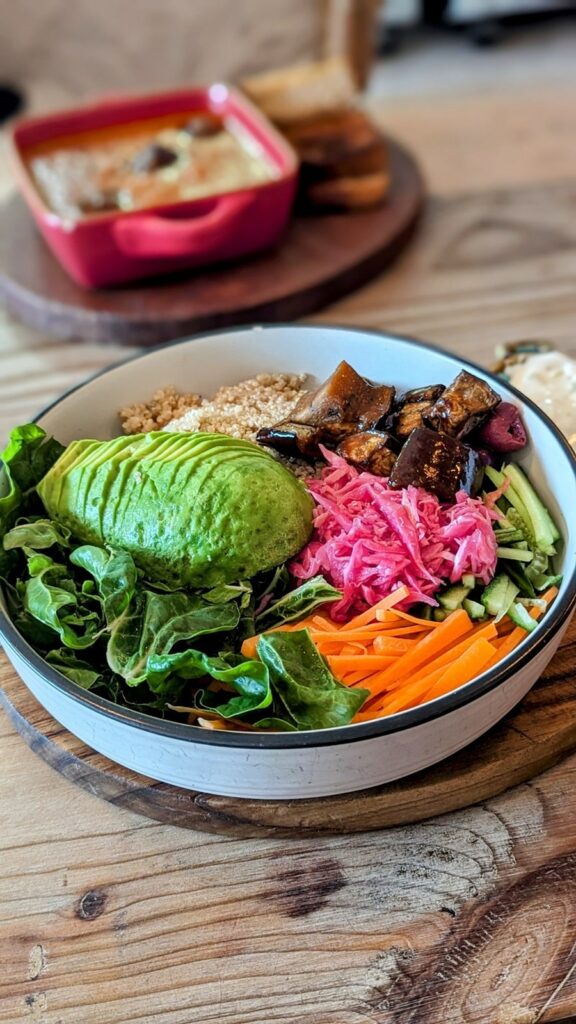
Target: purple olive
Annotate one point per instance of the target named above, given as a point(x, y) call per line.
point(504, 430)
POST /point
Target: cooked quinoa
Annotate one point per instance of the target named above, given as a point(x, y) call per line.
point(236, 409)
point(166, 405)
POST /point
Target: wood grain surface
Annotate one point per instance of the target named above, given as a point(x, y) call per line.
point(110, 918)
point(534, 736)
point(319, 259)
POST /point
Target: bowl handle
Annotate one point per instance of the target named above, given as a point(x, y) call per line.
point(151, 235)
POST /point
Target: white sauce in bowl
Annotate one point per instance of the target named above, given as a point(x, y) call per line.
point(549, 379)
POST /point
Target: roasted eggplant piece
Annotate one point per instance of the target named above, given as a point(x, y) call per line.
point(346, 403)
point(465, 403)
point(410, 409)
point(296, 440)
point(373, 450)
point(438, 463)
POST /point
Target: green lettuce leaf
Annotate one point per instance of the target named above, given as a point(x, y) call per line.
point(27, 457)
point(52, 597)
point(74, 668)
point(114, 574)
point(36, 535)
point(155, 624)
point(297, 603)
point(300, 677)
point(249, 679)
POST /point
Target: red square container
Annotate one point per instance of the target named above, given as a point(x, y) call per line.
point(112, 247)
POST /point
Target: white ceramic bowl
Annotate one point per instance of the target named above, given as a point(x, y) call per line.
point(315, 763)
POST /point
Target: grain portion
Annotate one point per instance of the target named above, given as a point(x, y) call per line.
point(236, 409)
point(241, 409)
point(166, 405)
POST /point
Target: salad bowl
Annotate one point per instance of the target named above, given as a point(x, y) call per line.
point(312, 763)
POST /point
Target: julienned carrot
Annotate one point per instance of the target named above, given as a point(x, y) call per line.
point(391, 616)
point(465, 668)
point(344, 636)
point(460, 665)
point(488, 632)
point(372, 613)
point(392, 644)
point(341, 664)
point(435, 642)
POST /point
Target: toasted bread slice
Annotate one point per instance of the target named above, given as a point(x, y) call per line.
point(302, 91)
point(338, 145)
point(354, 193)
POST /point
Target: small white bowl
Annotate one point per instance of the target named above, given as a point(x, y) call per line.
point(315, 763)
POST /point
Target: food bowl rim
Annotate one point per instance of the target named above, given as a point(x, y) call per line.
point(555, 619)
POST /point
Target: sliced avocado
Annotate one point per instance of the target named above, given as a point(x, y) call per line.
point(193, 509)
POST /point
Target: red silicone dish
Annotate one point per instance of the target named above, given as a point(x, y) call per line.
point(114, 247)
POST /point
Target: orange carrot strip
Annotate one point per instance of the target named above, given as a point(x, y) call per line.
point(488, 632)
point(392, 645)
point(387, 602)
point(390, 630)
point(390, 616)
point(434, 643)
point(410, 695)
point(363, 635)
point(319, 622)
point(471, 662)
point(465, 668)
point(341, 664)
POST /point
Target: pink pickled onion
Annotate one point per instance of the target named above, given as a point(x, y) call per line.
point(369, 540)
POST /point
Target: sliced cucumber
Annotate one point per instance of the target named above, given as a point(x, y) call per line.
point(439, 614)
point(452, 597)
point(521, 617)
point(514, 554)
point(499, 595)
point(545, 531)
point(474, 608)
point(519, 576)
point(468, 581)
point(508, 536)
point(542, 582)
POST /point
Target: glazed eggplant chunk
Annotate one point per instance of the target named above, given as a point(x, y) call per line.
point(465, 403)
point(345, 404)
point(438, 463)
point(410, 409)
point(372, 450)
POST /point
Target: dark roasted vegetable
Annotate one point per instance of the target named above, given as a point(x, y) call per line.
point(343, 405)
point(465, 403)
point(293, 439)
point(373, 450)
point(437, 463)
point(409, 410)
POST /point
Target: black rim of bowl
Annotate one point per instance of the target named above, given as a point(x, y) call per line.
point(548, 628)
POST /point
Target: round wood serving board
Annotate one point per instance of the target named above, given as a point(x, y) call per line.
point(320, 259)
point(534, 736)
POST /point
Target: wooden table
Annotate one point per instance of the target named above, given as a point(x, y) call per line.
point(108, 918)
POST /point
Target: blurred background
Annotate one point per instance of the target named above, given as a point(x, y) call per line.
point(58, 50)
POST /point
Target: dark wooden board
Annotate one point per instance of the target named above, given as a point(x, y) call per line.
point(320, 259)
point(540, 731)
